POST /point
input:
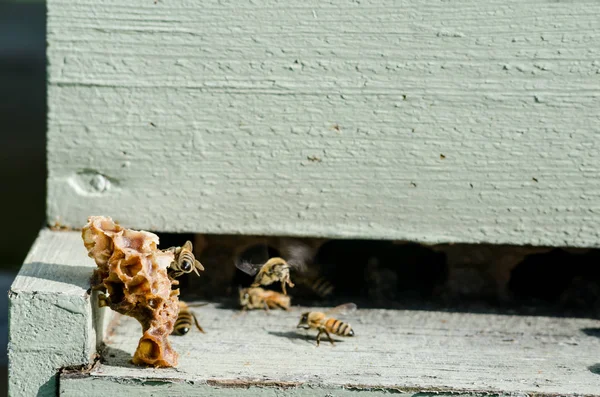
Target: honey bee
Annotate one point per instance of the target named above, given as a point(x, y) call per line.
point(184, 260)
point(326, 324)
point(275, 269)
point(318, 284)
point(258, 298)
point(183, 324)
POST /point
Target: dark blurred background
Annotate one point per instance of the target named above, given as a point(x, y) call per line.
point(22, 142)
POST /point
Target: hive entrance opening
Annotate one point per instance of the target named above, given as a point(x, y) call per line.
point(404, 275)
point(569, 279)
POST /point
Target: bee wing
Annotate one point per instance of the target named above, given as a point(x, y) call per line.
point(247, 267)
point(188, 246)
point(346, 308)
point(297, 265)
point(297, 253)
point(170, 249)
point(252, 259)
point(197, 304)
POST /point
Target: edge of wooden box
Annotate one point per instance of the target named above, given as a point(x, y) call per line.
point(52, 323)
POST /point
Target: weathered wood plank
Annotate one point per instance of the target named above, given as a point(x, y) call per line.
point(462, 121)
point(95, 386)
point(401, 351)
point(52, 322)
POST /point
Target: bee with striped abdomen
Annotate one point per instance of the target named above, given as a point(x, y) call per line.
point(183, 324)
point(321, 286)
point(184, 260)
point(324, 323)
point(317, 284)
point(258, 298)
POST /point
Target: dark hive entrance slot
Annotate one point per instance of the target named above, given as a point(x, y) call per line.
point(569, 279)
point(542, 276)
point(386, 274)
point(381, 272)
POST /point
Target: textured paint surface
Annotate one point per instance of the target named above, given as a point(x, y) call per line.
point(101, 387)
point(392, 350)
point(51, 319)
point(445, 121)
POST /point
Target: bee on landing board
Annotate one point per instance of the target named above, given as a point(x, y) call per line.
point(183, 324)
point(184, 260)
point(275, 269)
point(258, 298)
point(324, 323)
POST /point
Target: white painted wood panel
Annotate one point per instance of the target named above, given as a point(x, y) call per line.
point(402, 352)
point(462, 121)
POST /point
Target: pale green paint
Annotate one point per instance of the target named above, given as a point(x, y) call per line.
point(222, 117)
point(51, 317)
point(99, 387)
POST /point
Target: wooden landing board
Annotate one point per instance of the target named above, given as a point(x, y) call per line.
point(393, 351)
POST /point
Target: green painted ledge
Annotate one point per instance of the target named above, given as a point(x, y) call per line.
point(51, 320)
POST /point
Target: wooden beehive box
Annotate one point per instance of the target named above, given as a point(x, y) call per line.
point(435, 122)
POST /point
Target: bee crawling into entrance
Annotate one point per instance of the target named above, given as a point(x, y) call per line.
point(183, 324)
point(275, 269)
point(258, 298)
point(318, 284)
point(324, 323)
point(184, 261)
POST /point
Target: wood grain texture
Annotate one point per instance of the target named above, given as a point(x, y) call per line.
point(100, 387)
point(52, 322)
point(463, 121)
point(393, 351)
